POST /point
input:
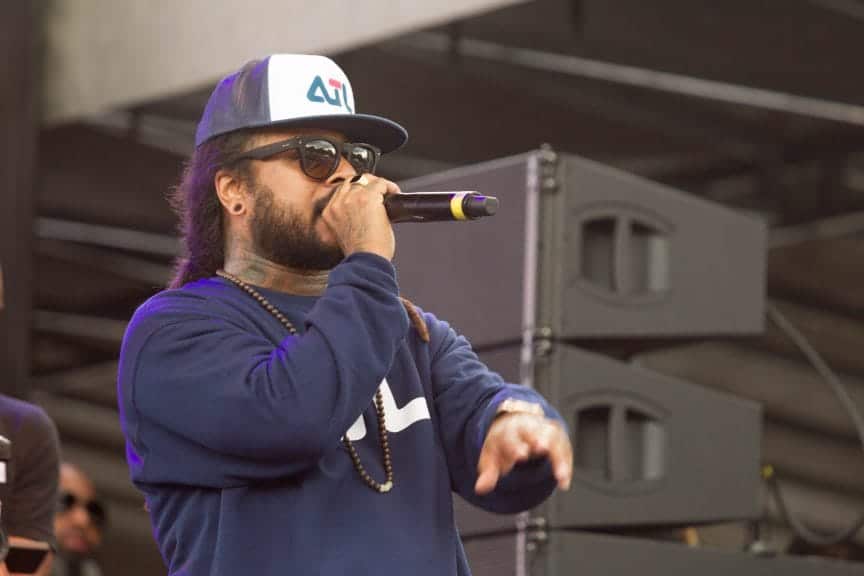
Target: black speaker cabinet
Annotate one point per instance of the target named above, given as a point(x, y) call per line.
point(649, 449)
point(563, 553)
point(605, 253)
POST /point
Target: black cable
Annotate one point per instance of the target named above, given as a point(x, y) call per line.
point(800, 529)
point(842, 394)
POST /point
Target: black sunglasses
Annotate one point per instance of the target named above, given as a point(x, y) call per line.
point(94, 508)
point(319, 156)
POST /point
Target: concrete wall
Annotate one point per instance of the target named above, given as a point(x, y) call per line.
point(104, 54)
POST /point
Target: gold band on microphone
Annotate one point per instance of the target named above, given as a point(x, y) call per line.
point(456, 206)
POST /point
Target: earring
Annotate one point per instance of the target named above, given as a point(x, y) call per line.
point(237, 208)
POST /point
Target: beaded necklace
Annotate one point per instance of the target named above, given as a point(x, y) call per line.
point(379, 400)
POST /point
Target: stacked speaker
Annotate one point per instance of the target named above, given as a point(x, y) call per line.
point(579, 257)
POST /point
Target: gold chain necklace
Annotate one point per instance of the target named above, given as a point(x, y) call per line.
point(379, 400)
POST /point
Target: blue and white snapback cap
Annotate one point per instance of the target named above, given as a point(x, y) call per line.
point(293, 90)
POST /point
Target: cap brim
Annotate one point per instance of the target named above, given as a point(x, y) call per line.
point(376, 130)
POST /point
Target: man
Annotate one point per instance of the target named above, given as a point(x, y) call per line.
point(78, 524)
point(285, 411)
point(29, 461)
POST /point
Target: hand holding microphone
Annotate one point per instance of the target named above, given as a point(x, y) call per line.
point(355, 214)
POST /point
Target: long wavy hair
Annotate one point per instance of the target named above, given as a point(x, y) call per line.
point(198, 209)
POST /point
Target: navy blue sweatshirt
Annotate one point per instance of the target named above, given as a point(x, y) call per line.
point(234, 430)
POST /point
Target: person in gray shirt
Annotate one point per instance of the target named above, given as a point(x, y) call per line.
point(29, 477)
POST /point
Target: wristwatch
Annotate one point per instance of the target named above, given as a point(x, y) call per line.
point(515, 406)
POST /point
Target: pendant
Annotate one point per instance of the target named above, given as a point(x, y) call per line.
point(385, 487)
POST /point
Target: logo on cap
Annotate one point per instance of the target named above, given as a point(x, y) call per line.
point(318, 93)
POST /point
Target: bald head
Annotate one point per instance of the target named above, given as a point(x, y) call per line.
point(74, 479)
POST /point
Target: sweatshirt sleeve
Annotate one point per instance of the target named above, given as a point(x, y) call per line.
point(467, 396)
point(205, 401)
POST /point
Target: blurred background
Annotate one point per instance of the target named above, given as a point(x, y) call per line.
point(757, 107)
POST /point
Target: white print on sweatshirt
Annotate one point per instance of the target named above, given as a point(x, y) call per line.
point(397, 419)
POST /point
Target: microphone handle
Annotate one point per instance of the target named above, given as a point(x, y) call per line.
point(439, 206)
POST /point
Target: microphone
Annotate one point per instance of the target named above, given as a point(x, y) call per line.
point(439, 206)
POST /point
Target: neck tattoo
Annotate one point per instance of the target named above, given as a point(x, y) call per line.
point(379, 400)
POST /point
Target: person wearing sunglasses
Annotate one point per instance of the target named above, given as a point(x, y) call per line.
point(286, 410)
point(78, 524)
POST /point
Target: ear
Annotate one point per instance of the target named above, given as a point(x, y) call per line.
point(231, 193)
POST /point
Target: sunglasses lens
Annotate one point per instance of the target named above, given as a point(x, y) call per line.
point(66, 501)
point(97, 512)
point(363, 158)
point(318, 158)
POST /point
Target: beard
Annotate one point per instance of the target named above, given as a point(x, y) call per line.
point(281, 235)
